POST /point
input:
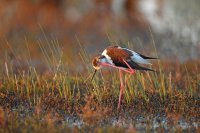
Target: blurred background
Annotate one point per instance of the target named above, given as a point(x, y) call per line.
point(32, 29)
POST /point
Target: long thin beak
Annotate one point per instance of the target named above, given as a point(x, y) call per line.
point(93, 74)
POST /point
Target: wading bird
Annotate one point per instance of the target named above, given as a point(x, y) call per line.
point(123, 59)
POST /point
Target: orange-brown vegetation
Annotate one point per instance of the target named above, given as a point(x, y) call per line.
point(93, 105)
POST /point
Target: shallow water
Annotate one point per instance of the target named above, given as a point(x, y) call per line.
point(142, 123)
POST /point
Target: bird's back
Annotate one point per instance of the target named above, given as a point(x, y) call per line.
point(117, 55)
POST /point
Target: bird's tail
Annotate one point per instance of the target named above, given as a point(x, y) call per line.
point(147, 57)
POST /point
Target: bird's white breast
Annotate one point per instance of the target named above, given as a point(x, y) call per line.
point(108, 59)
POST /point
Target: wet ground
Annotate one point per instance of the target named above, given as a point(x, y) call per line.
point(139, 123)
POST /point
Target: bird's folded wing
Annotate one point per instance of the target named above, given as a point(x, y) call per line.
point(135, 66)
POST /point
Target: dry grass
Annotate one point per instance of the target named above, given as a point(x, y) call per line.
point(59, 100)
point(42, 102)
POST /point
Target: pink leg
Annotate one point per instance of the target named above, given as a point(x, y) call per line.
point(130, 70)
point(121, 89)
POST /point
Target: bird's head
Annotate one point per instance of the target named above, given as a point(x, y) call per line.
point(96, 63)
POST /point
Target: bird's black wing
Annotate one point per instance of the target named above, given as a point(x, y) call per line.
point(147, 57)
point(138, 67)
